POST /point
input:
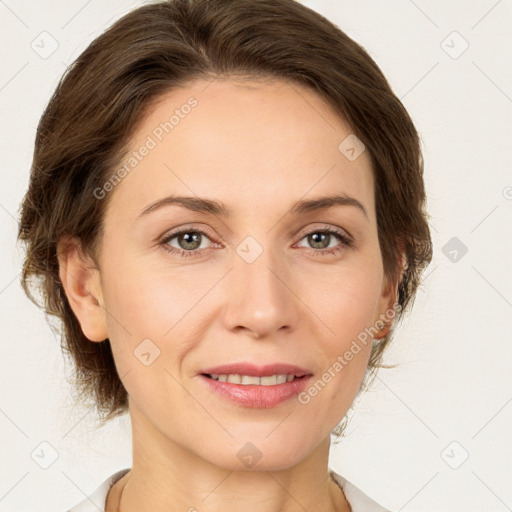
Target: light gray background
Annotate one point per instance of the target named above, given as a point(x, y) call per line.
point(451, 396)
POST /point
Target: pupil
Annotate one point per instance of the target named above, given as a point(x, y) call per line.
point(316, 236)
point(189, 243)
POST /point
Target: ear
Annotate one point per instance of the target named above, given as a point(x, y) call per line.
point(81, 281)
point(388, 300)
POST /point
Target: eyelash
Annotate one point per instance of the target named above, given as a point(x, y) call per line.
point(345, 242)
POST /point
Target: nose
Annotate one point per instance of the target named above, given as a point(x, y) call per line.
point(259, 297)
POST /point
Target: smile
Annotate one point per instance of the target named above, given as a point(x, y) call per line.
point(256, 392)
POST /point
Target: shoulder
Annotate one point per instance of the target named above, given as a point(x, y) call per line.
point(358, 500)
point(96, 501)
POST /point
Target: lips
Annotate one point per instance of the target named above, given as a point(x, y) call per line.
point(257, 396)
point(250, 369)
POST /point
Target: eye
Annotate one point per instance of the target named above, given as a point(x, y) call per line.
point(189, 242)
point(320, 240)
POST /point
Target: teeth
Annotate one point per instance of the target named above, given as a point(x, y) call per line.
point(247, 380)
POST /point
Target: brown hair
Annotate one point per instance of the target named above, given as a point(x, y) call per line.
point(85, 129)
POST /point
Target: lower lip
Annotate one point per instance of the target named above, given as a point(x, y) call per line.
point(257, 396)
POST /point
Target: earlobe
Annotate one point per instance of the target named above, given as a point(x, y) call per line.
point(81, 283)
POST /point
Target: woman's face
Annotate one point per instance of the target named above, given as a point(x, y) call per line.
point(261, 282)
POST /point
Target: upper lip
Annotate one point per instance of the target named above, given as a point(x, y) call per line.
point(257, 370)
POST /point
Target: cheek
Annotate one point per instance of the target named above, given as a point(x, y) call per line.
point(146, 299)
point(345, 300)
point(143, 322)
point(156, 304)
point(135, 307)
point(347, 303)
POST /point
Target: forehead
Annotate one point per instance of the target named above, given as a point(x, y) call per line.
point(252, 143)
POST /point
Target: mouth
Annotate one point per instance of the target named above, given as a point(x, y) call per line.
point(252, 380)
point(258, 387)
point(247, 373)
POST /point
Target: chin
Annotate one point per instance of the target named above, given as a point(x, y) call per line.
point(260, 453)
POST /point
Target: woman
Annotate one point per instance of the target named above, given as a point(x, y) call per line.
point(226, 209)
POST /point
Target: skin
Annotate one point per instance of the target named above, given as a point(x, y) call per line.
point(257, 146)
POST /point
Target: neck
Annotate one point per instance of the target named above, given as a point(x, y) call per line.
point(336, 501)
point(169, 476)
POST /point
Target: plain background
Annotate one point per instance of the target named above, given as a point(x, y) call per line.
point(433, 434)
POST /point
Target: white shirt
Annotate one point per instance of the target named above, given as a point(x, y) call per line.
point(357, 499)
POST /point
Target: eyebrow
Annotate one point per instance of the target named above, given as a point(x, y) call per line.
point(215, 207)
